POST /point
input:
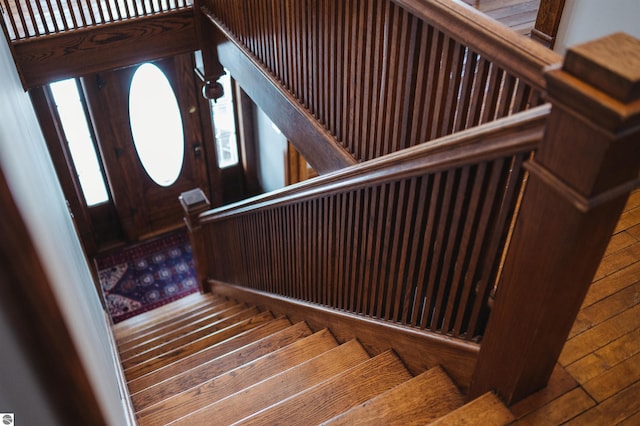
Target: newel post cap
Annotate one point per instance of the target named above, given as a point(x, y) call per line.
point(600, 80)
point(193, 203)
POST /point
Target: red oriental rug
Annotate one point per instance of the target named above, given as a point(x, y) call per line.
point(146, 276)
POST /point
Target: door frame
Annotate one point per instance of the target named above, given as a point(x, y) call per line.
point(91, 221)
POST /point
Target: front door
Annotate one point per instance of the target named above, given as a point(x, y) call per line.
point(150, 137)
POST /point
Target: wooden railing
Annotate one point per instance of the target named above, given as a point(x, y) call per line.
point(384, 75)
point(414, 238)
point(417, 237)
point(32, 18)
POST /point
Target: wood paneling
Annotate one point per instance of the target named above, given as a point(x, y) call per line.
point(70, 54)
point(386, 89)
point(31, 18)
point(390, 239)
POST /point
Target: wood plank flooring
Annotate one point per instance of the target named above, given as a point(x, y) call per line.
point(597, 378)
point(519, 15)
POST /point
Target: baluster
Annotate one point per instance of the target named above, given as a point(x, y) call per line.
point(580, 179)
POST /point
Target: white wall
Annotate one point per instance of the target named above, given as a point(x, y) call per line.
point(584, 20)
point(31, 177)
point(272, 147)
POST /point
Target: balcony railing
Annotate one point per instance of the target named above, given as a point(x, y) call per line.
point(25, 19)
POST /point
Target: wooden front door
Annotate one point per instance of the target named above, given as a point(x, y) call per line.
point(144, 206)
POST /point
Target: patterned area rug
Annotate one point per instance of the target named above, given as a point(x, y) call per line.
point(146, 276)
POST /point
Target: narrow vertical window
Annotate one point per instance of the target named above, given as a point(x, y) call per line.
point(80, 141)
point(224, 124)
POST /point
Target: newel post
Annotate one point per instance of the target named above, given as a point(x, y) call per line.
point(193, 203)
point(579, 182)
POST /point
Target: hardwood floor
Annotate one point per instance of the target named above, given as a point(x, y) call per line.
point(597, 378)
point(519, 15)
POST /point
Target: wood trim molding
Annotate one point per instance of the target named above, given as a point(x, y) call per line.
point(418, 349)
point(547, 22)
point(69, 54)
point(310, 138)
point(508, 135)
point(520, 55)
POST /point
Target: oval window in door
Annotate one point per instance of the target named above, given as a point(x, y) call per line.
point(156, 124)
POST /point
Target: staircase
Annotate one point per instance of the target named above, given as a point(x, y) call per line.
point(206, 360)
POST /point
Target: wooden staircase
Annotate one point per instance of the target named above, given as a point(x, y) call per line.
point(206, 360)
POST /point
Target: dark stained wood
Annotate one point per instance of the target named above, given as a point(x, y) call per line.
point(193, 203)
point(71, 54)
point(547, 22)
point(380, 198)
point(405, 94)
point(31, 309)
point(579, 182)
point(313, 141)
point(33, 18)
point(599, 354)
point(457, 357)
point(144, 208)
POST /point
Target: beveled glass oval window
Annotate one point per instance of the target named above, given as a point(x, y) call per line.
point(156, 124)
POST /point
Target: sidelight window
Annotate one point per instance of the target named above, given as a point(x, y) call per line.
point(224, 123)
point(79, 139)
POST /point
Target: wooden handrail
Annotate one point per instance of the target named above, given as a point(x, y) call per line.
point(501, 137)
point(349, 240)
point(422, 70)
point(519, 55)
point(579, 181)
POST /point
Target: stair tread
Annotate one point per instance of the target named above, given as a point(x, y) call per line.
point(280, 386)
point(418, 401)
point(197, 328)
point(277, 329)
point(237, 315)
point(214, 361)
point(196, 346)
point(156, 315)
point(238, 379)
point(176, 322)
point(134, 330)
point(487, 410)
point(336, 395)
